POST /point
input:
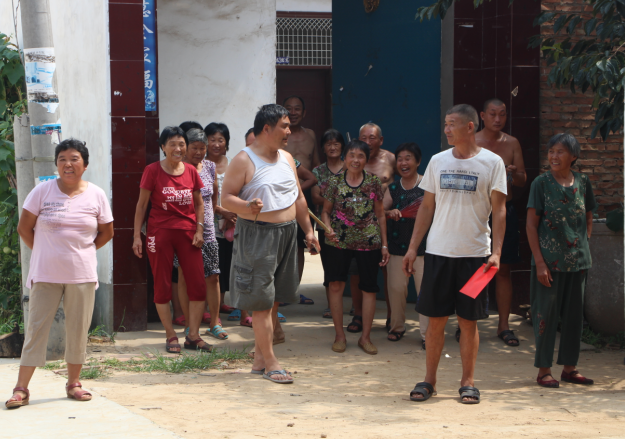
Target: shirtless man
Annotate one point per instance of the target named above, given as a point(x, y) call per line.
point(302, 145)
point(381, 164)
point(302, 142)
point(262, 188)
point(509, 149)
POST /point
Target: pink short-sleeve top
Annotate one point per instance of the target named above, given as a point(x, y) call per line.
point(63, 250)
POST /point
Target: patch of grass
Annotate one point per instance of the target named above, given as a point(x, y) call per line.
point(156, 362)
point(101, 331)
point(600, 341)
point(53, 365)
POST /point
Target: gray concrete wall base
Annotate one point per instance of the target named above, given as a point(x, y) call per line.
point(604, 301)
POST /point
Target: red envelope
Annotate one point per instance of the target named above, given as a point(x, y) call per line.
point(478, 281)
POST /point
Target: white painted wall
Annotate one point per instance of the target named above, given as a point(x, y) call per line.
point(81, 41)
point(7, 25)
point(304, 5)
point(216, 63)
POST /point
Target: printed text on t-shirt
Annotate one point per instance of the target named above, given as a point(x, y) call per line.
point(182, 197)
point(459, 182)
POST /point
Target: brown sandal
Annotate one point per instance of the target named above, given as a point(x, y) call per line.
point(169, 346)
point(18, 401)
point(78, 394)
point(194, 345)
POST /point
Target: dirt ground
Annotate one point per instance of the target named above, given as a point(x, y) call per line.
point(354, 395)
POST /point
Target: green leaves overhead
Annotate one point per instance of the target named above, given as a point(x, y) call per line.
point(586, 52)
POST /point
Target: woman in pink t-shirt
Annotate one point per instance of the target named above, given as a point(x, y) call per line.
point(64, 221)
point(175, 226)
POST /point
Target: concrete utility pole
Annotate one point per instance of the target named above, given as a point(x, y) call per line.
point(37, 33)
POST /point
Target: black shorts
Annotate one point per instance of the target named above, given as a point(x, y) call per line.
point(323, 254)
point(440, 294)
point(510, 248)
point(225, 260)
point(174, 275)
point(339, 260)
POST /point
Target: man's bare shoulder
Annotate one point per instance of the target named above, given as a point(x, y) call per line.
point(310, 132)
point(387, 154)
point(241, 160)
point(512, 141)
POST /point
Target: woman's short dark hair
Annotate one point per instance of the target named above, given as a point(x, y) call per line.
point(568, 141)
point(359, 145)
point(170, 132)
point(269, 114)
point(218, 128)
point(332, 134)
point(72, 143)
point(248, 132)
point(412, 148)
point(190, 124)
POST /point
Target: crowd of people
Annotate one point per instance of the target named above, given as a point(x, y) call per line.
point(242, 225)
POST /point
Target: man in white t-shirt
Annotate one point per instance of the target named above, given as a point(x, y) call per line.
point(462, 186)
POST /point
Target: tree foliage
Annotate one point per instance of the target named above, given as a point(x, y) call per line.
point(12, 103)
point(587, 52)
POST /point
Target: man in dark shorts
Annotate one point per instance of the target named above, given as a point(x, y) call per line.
point(302, 145)
point(509, 149)
point(462, 186)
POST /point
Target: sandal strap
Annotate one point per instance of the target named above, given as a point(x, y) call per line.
point(71, 386)
point(276, 372)
point(21, 389)
point(173, 338)
point(421, 389)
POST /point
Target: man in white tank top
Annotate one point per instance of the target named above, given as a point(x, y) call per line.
point(262, 188)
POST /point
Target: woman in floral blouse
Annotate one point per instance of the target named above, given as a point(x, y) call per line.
point(354, 212)
point(559, 224)
point(332, 144)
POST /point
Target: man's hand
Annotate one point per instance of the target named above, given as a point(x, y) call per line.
point(137, 247)
point(394, 214)
point(313, 244)
point(385, 257)
point(543, 274)
point(255, 206)
point(408, 262)
point(493, 261)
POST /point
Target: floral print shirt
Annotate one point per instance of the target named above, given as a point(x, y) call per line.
point(323, 174)
point(562, 232)
point(207, 175)
point(353, 213)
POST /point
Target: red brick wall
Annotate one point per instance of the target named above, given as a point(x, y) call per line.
point(563, 111)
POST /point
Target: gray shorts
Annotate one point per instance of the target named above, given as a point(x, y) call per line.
point(264, 265)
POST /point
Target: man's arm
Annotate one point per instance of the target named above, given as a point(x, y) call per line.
point(234, 180)
point(315, 154)
point(393, 162)
point(308, 178)
point(519, 177)
point(498, 201)
point(422, 224)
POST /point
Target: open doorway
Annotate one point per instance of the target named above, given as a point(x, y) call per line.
point(304, 65)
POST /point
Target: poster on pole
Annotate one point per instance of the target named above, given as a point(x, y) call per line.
point(149, 54)
point(40, 64)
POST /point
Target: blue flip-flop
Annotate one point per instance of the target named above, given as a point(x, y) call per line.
point(235, 316)
point(216, 332)
point(303, 300)
point(281, 318)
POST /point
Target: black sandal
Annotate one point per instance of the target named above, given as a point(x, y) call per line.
point(458, 335)
point(357, 322)
point(424, 389)
point(398, 335)
point(509, 338)
point(469, 392)
point(388, 325)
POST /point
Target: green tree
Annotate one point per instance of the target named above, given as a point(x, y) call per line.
point(12, 103)
point(587, 52)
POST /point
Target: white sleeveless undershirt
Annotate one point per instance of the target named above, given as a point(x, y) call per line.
point(274, 183)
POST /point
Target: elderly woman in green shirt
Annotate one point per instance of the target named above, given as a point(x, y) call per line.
point(559, 223)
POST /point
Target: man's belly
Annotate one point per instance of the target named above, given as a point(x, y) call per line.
point(277, 216)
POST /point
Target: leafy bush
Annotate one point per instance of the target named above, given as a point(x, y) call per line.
point(12, 103)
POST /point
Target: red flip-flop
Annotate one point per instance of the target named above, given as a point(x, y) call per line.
point(206, 319)
point(179, 321)
point(246, 322)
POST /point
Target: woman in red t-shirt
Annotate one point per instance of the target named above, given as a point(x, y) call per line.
point(174, 226)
